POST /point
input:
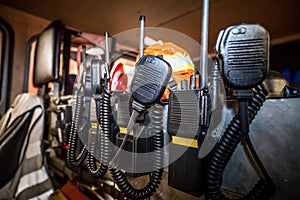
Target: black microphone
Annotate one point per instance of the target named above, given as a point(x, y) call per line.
point(244, 53)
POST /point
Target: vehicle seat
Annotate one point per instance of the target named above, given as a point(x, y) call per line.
point(22, 171)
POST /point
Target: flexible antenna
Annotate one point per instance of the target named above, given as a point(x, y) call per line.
point(106, 55)
point(204, 43)
point(142, 25)
point(106, 48)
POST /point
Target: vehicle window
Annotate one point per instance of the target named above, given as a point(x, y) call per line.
point(1, 67)
point(6, 55)
point(0, 48)
point(29, 65)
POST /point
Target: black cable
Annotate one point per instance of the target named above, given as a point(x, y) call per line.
point(99, 109)
point(156, 175)
point(97, 172)
point(244, 119)
point(264, 189)
point(256, 158)
point(73, 138)
point(103, 116)
point(106, 126)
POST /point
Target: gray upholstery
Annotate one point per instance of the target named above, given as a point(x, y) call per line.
point(30, 179)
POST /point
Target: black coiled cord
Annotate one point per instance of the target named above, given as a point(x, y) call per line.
point(103, 113)
point(73, 138)
point(106, 126)
point(264, 188)
point(156, 175)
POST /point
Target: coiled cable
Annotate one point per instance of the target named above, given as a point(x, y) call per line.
point(264, 188)
point(156, 174)
point(73, 138)
point(103, 112)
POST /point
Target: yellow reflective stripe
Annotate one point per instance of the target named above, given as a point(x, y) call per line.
point(124, 131)
point(185, 141)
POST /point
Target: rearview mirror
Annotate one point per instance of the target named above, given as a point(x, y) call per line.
point(47, 54)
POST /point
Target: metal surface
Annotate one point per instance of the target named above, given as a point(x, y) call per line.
point(275, 133)
point(275, 84)
point(142, 33)
point(204, 43)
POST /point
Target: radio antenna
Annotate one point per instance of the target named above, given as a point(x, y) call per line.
point(142, 24)
point(106, 65)
point(204, 43)
point(106, 48)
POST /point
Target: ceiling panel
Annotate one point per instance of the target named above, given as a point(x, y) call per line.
point(281, 18)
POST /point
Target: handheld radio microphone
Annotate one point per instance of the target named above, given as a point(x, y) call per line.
point(243, 51)
point(244, 54)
